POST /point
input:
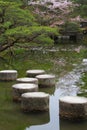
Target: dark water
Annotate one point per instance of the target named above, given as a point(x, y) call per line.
point(63, 62)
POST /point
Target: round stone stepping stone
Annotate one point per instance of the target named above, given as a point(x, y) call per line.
point(35, 101)
point(27, 80)
point(33, 73)
point(8, 75)
point(73, 107)
point(21, 88)
point(46, 80)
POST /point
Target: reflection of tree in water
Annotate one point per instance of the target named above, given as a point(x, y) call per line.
point(73, 125)
point(7, 63)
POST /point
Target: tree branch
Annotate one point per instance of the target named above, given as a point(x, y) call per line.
point(7, 45)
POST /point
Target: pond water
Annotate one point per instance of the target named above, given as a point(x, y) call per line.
point(66, 63)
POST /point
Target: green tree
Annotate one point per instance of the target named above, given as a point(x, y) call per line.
point(71, 26)
point(17, 25)
point(82, 8)
point(82, 2)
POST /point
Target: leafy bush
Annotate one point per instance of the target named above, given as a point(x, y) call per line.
point(71, 26)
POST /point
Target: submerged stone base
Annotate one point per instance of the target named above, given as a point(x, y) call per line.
point(71, 107)
point(21, 88)
point(35, 101)
point(8, 75)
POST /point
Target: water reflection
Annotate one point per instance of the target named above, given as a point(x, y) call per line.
point(70, 125)
point(38, 118)
point(49, 60)
point(54, 118)
point(49, 90)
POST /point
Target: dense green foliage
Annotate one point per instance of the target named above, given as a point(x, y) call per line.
point(18, 25)
point(82, 2)
point(71, 26)
point(81, 9)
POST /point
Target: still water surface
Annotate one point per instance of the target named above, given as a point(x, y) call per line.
point(61, 62)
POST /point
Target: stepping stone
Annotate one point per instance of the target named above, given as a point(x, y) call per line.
point(27, 80)
point(21, 88)
point(46, 80)
point(73, 107)
point(34, 73)
point(35, 101)
point(8, 75)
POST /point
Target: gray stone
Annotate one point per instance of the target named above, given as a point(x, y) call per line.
point(35, 101)
point(33, 73)
point(27, 80)
point(8, 75)
point(46, 80)
point(21, 88)
point(73, 107)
